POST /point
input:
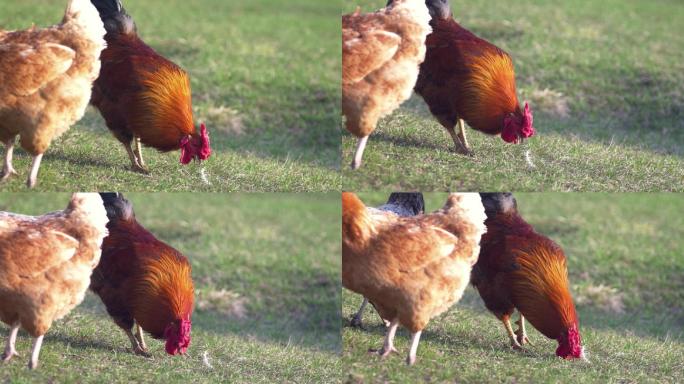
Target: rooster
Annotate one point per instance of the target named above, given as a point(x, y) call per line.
point(143, 97)
point(143, 281)
point(381, 52)
point(403, 205)
point(46, 77)
point(467, 78)
point(45, 266)
point(521, 269)
point(414, 268)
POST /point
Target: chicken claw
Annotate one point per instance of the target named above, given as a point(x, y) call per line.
point(356, 320)
point(135, 163)
point(388, 345)
point(520, 333)
point(515, 344)
point(9, 348)
point(7, 356)
point(383, 352)
point(135, 345)
point(460, 141)
point(140, 169)
point(7, 173)
point(386, 352)
point(141, 352)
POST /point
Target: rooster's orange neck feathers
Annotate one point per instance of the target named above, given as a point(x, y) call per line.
point(168, 97)
point(492, 85)
point(166, 279)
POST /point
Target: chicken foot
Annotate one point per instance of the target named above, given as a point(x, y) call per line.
point(388, 345)
point(139, 336)
point(520, 333)
point(509, 329)
point(357, 320)
point(37, 343)
point(460, 140)
point(135, 164)
point(7, 169)
point(358, 155)
point(11, 341)
point(135, 344)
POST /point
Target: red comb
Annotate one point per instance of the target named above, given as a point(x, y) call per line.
point(205, 147)
point(527, 129)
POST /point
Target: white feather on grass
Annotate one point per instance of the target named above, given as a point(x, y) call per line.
point(205, 360)
point(528, 160)
point(203, 176)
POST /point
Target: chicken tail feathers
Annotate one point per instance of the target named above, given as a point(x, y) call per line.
point(405, 203)
point(114, 16)
point(118, 208)
point(356, 225)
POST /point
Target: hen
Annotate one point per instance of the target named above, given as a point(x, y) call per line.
point(142, 96)
point(46, 77)
point(143, 281)
point(467, 78)
point(403, 205)
point(521, 269)
point(414, 268)
point(381, 52)
point(45, 266)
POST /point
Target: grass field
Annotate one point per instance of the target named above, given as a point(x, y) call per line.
point(625, 262)
point(265, 78)
point(606, 84)
point(266, 268)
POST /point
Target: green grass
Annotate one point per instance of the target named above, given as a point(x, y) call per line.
point(615, 65)
point(276, 255)
point(632, 327)
point(265, 78)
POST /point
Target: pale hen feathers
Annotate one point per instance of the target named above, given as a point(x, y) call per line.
point(46, 261)
point(84, 14)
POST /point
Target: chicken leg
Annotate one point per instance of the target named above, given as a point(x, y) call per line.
point(37, 343)
point(521, 335)
point(7, 169)
point(509, 329)
point(11, 340)
point(135, 344)
point(33, 175)
point(358, 155)
point(356, 321)
point(415, 338)
point(462, 135)
point(460, 141)
point(135, 165)
point(138, 151)
point(388, 345)
point(139, 336)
